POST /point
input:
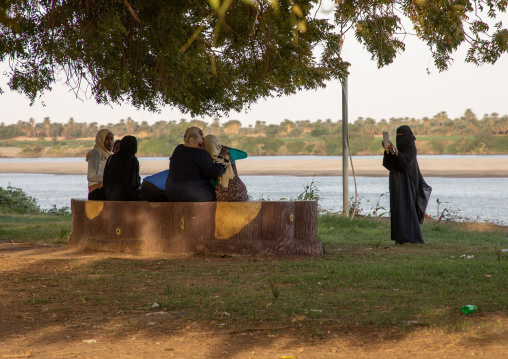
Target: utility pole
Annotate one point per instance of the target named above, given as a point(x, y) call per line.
point(345, 151)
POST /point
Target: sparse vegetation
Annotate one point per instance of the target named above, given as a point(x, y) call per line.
point(360, 284)
point(360, 280)
point(464, 135)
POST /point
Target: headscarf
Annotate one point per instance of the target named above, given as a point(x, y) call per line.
point(121, 174)
point(128, 147)
point(99, 144)
point(404, 140)
point(213, 147)
point(193, 134)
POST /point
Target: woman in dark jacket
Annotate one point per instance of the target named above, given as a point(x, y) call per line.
point(409, 194)
point(191, 170)
point(121, 174)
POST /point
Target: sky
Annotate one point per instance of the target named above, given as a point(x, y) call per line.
point(401, 89)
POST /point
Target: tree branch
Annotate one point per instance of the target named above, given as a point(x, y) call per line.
point(131, 11)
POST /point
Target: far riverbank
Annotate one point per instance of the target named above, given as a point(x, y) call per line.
point(461, 166)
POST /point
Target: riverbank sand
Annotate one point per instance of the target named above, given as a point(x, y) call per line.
point(435, 167)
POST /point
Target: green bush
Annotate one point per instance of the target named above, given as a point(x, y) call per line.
point(14, 200)
point(272, 145)
point(32, 150)
point(319, 131)
point(249, 145)
point(360, 142)
point(155, 147)
point(224, 139)
point(465, 145)
point(500, 144)
point(333, 145)
point(452, 149)
point(260, 145)
point(437, 146)
point(295, 147)
point(310, 148)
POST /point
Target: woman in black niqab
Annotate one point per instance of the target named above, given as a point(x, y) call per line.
point(409, 193)
point(121, 174)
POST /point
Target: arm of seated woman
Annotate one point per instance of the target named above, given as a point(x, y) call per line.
point(94, 171)
point(210, 169)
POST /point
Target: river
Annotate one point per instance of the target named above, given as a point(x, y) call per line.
point(478, 199)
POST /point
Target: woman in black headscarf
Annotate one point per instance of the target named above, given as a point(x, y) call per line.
point(409, 193)
point(121, 174)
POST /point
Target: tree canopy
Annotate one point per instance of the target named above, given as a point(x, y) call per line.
point(211, 57)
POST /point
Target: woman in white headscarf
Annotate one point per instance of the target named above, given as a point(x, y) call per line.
point(96, 159)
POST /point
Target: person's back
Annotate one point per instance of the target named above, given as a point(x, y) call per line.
point(121, 174)
point(188, 178)
point(191, 169)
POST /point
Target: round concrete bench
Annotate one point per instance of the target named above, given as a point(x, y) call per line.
point(251, 228)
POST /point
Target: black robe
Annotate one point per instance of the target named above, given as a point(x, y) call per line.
point(121, 173)
point(189, 174)
point(409, 193)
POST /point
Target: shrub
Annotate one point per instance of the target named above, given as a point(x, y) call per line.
point(310, 148)
point(437, 146)
point(14, 200)
point(465, 145)
point(295, 147)
point(333, 145)
point(360, 142)
point(319, 131)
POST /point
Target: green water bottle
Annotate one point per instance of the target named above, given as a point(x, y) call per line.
point(469, 309)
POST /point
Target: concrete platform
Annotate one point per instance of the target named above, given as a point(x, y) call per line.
point(249, 228)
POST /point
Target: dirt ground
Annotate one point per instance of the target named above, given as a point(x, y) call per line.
point(47, 331)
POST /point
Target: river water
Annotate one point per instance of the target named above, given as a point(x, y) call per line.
point(479, 199)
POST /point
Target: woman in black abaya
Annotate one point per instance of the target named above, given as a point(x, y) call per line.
point(121, 174)
point(409, 194)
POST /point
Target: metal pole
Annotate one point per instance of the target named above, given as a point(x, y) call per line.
point(345, 146)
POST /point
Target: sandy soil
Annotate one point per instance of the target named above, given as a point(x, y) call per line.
point(445, 167)
point(10, 151)
point(64, 327)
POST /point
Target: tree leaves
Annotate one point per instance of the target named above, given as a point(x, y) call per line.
point(212, 57)
point(205, 58)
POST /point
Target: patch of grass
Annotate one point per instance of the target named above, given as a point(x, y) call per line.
point(300, 139)
point(443, 138)
point(38, 300)
point(24, 228)
point(360, 281)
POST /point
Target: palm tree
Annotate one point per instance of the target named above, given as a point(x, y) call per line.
point(47, 127)
point(32, 126)
point(68, 127)
point(131, 125)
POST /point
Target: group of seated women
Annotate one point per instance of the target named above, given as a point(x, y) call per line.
point(201, 170)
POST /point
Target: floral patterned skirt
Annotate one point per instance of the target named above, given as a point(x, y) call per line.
point(236, 191)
